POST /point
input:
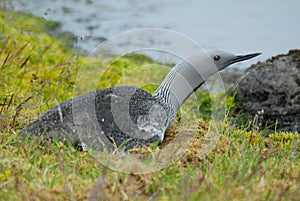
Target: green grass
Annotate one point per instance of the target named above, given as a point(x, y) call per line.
point(37, 70)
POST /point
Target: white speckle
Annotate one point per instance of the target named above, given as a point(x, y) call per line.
point(84, 146)
point(102, 119)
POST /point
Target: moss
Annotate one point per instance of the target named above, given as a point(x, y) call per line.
point(291, 140)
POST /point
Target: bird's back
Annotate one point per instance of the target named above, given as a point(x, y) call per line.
point(103, 119)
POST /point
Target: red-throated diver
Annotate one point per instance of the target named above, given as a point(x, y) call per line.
point(127, 117)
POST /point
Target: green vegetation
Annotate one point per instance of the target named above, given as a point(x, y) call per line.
point(37, 70)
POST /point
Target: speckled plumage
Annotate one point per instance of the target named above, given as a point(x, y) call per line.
point(99, 119)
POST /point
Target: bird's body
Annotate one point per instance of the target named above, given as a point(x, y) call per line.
point(127, 117)
point(124, 127)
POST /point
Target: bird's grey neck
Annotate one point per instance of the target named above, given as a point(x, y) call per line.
point(183, 79)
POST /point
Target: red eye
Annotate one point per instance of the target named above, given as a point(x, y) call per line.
point(217, 58)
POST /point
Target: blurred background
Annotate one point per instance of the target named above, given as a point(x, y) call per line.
point(270, 27)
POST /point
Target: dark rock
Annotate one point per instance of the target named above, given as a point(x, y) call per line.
point(274, 86)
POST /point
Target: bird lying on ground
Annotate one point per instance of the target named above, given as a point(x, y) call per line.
point(128, 117)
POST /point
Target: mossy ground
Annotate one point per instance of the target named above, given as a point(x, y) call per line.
point(37, 71)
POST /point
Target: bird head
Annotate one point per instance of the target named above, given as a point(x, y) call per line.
point(223, 59)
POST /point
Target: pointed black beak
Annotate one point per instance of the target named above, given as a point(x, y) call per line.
point(243, 57)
